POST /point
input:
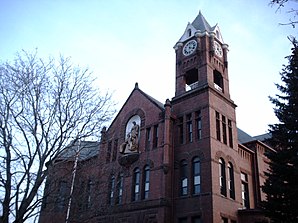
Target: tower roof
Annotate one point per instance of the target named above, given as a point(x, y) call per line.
point(201, 24)
point(200, 27)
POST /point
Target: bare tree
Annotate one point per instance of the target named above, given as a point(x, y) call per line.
point(293, 10)
point(45, 106)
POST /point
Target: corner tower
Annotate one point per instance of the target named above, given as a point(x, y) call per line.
point(205, 132)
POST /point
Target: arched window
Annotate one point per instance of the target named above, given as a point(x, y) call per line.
point(196, 171)
point(222, 177)
point(189, 32)
point(183, 178)
point(218, 81)
point(120, 188)
point(112, 188)
point(136, 185)
point(146, 184)
point(231, 183)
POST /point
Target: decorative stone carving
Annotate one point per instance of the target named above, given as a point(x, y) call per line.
point(129, 149)
point(131, 144)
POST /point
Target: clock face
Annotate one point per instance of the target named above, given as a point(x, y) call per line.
point(189, 47)
point(217, 49)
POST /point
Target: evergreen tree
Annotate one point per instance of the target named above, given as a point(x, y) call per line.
point(281, 185)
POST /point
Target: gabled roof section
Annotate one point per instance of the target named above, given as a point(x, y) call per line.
point(153, 100)
point(150, 98)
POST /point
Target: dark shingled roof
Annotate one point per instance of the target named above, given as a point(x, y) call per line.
point(243, 137)
point(263, 137)
point(201, 24)
point(86, 150)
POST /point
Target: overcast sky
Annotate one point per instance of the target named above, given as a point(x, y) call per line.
point(128, 41)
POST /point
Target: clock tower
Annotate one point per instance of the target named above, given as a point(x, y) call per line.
point(205, 126)
point(201, 58)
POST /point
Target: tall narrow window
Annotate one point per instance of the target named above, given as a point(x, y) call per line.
point(222, 177)
point(146, 182)
point(89, 191)
point(196, 169)
point(189, 128)
point(230, 133)
point(224, 130)
point(112, 189)
point(183, 178)
point(155, 136)
point(199, 124)
point(136, 185)
point(217, 126)
point(189, 32)
point(81, 199)
point(244, 189)
point(231, 183)
point(62, 195)
point(148, 138)
point(180, 129)
point(108, 157)
point(218, 81)
point(115, 150)
point(120, 188)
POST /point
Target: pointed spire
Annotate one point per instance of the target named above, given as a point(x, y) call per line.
point(136, 85)
point(200, 23)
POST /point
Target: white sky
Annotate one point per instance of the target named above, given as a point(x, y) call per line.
point(128, 41)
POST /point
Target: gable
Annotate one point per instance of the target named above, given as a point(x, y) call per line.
point(138, 104)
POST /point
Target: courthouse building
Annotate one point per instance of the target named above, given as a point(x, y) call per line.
point(181, 161)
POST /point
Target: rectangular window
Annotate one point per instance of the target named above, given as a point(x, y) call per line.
point(180, 129)
point(224, 130)
point(244, 190)
point(136, 185)
point(217, 126)
point(146, 184)
point(231, 183)
point(183, 178)
point(196, 171)
point(120, 189)
point(222, 177)
point(148, 138)
point(62, 195)
point(155, 136)
point(230, 133)
point(189, 127)
point(196, 219)
point(199, 125)
point(112, 189)
point(115, 150)
point(89, 191)
point(81, 196)
point(182, 220)
point(108, 157)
